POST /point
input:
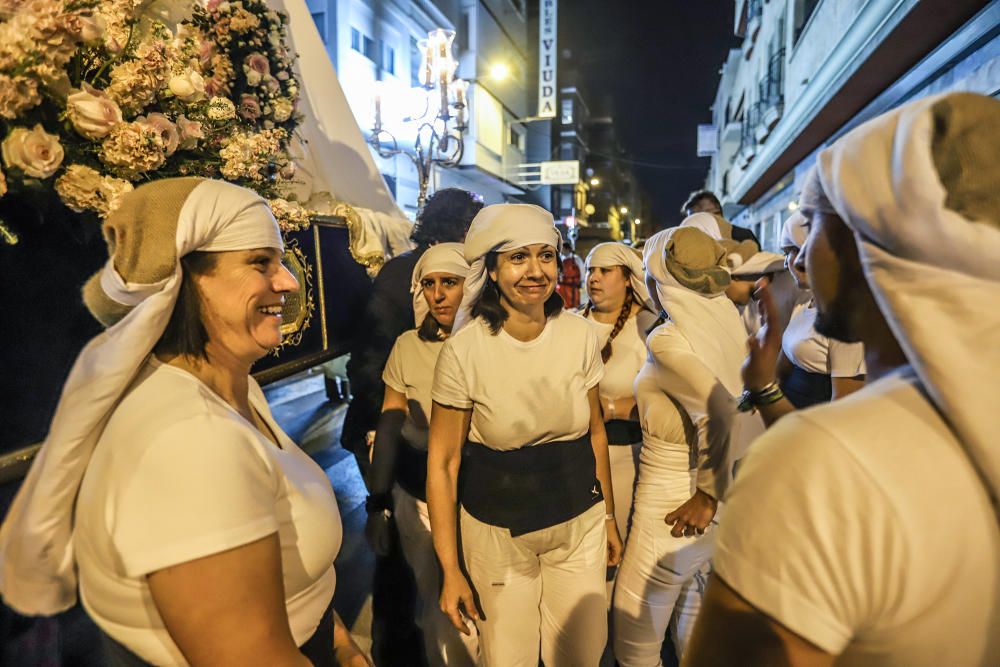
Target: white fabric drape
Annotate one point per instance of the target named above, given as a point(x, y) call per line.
point(333, 155)
point(934, 273)
point(37, 571)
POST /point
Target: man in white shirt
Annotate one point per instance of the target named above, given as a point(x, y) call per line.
point(865, 531)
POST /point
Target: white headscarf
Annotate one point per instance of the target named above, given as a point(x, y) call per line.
point(706, 222)
point(760, 263)
point(604, 255)
point(793, 232)
point(37, 565)
point(710, 324)
point(440, 258)
point(934, 272)
point(500, 228)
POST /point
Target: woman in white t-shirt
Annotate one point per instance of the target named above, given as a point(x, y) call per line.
point(686, 402)
point(621, 313)
point(516, 407)
point(398, 477)
point(795, 368)
point(201, 534)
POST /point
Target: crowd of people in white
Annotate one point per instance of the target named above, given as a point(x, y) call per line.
point(776, 460)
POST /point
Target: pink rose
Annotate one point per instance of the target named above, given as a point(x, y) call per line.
point(35, 152)
point(256, 67)
point(92, 112)
point(163, 127)
point(206, 51)
point(190, 131)
point(249, 108)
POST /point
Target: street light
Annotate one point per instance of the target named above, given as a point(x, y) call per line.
point(638, 222)
point(444, 144)
point(499, 71)
point(623, 210)
point(595, 182)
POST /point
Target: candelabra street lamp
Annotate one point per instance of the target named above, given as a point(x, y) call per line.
point(437, 142)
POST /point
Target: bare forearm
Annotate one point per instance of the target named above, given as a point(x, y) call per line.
point(442, 503)
point(774, 411)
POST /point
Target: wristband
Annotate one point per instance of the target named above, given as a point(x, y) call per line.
point(609, 517)
point(770, 393)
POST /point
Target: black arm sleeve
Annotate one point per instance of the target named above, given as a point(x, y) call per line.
point(388, 439)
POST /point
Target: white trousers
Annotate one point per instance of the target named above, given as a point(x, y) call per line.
point(443, 644)
point(542, 593)
point(660, 582)
point(624, 461)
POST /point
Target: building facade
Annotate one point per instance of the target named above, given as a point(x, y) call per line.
point(809, 71)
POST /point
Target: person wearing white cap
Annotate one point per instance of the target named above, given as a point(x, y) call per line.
point(517, 409)
point(866, 531)
point(748, 265)
point(690, 428)
point(792, 366)
point(199, 531)
point(398, 477)
point(620, 310)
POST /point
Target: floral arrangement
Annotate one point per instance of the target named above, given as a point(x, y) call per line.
point(97, 97)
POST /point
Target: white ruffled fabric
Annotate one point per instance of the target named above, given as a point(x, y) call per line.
point(440, 258)
point(762, 262)
point(37, 567)
point(604, 255)
point(934, 273)
point(706, 222)
point(793, 232)
point(500, 228)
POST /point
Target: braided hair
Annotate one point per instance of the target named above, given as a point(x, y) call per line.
point(623, 316)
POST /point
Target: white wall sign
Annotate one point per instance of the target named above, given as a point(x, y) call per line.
point(563, 172)
point(708, 140)
point(547, 31)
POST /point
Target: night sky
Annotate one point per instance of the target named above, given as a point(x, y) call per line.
point(653, 66)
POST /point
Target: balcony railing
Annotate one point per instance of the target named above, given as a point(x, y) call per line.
point(771, 87)
point(748, 138)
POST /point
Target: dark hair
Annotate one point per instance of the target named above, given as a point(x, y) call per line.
point(489, 307)
point(446, 217)
point(697, 196)
point(429, 329)
point(185, 334)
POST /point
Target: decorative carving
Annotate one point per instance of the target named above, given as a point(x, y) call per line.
point(299, 306)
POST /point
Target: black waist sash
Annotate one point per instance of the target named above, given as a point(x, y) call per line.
point(411, 470)
point(804, 389)
point(530, 488)
point(623, 432)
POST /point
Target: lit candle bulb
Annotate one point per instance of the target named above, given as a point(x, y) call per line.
point(378, 107)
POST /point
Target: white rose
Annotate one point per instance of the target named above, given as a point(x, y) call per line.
point(221, 108)
point(35, 152)
point(113, 190)
point(282, 109)
point(92, 112)
point(188, 87)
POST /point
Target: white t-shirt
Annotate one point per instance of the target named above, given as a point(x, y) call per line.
point(177, 475)
point(668, 457)
point(521, 393)
point(628, 353)
point(410, 371)
point(862, 526)
point(816, 353)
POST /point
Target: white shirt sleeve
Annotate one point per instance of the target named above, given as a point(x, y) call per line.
point(201, 487)
point(392, 374)
point(809, 538)
point(846, 360)
point(686, 379)
point(594, 366)
point(450, 382)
